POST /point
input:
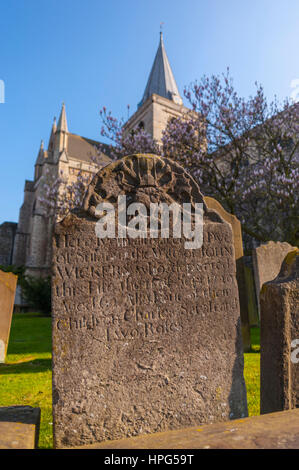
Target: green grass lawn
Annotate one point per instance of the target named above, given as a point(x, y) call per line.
point(25, 378)
point(252, 373)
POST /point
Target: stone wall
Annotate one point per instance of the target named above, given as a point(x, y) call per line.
point(22, 240)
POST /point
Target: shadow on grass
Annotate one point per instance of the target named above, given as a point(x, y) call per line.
point(18, 345)
point(30, 334)
point(31, 315)
point(26, 367)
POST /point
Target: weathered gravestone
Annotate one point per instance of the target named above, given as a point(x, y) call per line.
point(267, 260)
point(280, 338)
point(238, 244)
point(146, 333)
point(8, 282)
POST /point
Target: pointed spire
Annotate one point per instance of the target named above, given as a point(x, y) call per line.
point(161, 80)
point(52, 136)
point(62, 123)
point(54, 126)
point(41, 154)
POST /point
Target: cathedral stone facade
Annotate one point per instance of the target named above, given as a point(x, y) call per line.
point(68, 154)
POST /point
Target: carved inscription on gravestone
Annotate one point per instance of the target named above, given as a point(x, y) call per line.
point(146, 333)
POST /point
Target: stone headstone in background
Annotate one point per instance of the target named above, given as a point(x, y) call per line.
point(251, 292)
point(146, 333)
point(239, 255)
point(267, 260)
point(19, 427)
point(8, 282)
point(280, 338)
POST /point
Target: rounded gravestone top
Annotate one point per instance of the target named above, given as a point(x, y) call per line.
point(144, 178)
point(290, 266)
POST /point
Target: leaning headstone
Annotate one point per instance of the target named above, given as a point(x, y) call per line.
point(238, 244)
point(280, 338)
point(19, 427)
point(146, 332)
point(8, 282)
point(267, 260)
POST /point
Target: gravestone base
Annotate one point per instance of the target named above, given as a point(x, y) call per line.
point(271, 431)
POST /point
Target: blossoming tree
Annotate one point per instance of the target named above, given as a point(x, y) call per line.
point(243, 152)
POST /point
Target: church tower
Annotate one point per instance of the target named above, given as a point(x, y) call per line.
point(70, 154)
point(161, 99)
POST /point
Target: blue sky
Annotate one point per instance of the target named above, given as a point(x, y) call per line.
point(94, 53)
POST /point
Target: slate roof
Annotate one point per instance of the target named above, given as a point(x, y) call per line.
point(82, 149)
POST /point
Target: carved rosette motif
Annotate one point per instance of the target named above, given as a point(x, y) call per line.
point(145, 179)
